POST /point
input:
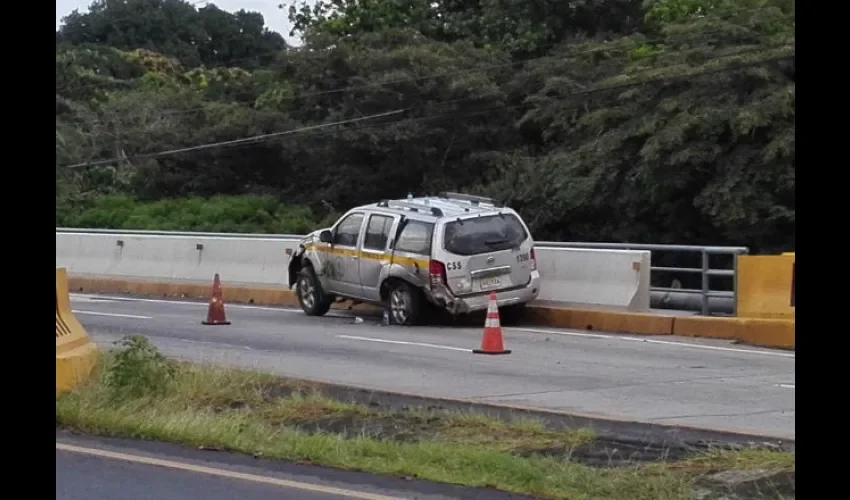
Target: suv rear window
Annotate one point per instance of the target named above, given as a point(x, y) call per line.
point(484, 234)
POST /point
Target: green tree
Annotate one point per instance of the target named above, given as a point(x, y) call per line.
point(521, 27)
point(208, 35)
point(664, 12)
point(702, 158)
point(680, 132)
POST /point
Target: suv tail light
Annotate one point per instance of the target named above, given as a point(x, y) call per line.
point(437, 270)
point(533, 259)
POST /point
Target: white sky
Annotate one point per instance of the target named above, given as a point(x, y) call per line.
point(276, 19)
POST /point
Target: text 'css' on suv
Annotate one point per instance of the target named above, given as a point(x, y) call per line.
point(450, 251)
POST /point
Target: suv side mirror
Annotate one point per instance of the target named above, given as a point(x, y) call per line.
point(325, 236)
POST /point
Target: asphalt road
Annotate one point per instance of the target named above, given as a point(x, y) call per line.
point(111, 469)
point(666, 380)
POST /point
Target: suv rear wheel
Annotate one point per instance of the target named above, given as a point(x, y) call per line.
point(311, 297)
point(512, 315)
point(405, 303)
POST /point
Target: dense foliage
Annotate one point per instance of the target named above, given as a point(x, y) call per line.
point(600, 120)
point(223, 214)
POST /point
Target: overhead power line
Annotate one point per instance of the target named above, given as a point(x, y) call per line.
point(314, 128)
point(234, 142)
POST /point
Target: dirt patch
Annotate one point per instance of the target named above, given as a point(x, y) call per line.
point(373, 426)
point(747, 484)
point(611, 453)
point(640, 434)
point(315, 407)
point(356, 413)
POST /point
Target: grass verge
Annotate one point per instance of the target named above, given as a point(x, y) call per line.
point(138, 393)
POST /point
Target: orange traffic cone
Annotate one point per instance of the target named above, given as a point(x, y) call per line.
point(491, 341)
point(215, 313)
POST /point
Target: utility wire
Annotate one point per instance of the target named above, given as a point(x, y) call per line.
point(233, 142)
point(257, 138)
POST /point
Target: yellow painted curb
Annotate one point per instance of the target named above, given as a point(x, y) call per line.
point(604, 321)
point(755, 331)
point(76, 355)
point(230, 293)
point(763, 332)
point(769, 332)
point(707, 326)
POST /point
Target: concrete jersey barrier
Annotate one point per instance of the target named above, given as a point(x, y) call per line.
point(767, 286)
point(617, 279)
point(175, 258)
point(76, 355)
point(606, 278)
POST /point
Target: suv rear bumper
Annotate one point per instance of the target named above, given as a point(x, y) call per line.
point(479, 302)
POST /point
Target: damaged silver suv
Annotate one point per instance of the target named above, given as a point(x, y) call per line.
point(450, 251)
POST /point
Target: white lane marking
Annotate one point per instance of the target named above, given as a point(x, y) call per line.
point(114, 315)
point(661, 342)
point(254, 478)
point(222, 344)
point(182, 302)
point(569, 334)
point(531, 330)
point(99, 339)
point(401, 342)
point(787, 386)
point(88, 298)
point(188, 303)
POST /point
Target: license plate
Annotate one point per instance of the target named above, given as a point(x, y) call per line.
point(490, 283)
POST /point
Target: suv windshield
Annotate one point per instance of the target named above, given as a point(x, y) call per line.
point(484, 234)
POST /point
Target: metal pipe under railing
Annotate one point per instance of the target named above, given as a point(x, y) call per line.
point(704, 300)
point(719, 303)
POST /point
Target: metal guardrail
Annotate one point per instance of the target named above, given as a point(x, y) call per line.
point(684, 298)
point(690, 299)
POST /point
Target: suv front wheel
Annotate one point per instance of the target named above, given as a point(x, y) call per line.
point(405, 304)
point(311, 297)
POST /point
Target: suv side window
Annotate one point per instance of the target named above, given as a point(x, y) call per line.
point(378, 232)
point(347, 231)
point(415, 237)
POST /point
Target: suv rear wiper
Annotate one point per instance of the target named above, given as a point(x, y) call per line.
point(494, 242)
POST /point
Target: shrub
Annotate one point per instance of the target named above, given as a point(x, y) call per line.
point(226, 214)
point(137, 368)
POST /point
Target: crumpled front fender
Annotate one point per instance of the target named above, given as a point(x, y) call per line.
point(302, 251)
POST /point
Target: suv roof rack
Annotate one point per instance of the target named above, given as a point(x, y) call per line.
point(415, 207)
point(474, 199)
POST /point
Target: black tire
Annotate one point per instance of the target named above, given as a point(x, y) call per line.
point(406, 304)
point(316, 302)
point(512, 315)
